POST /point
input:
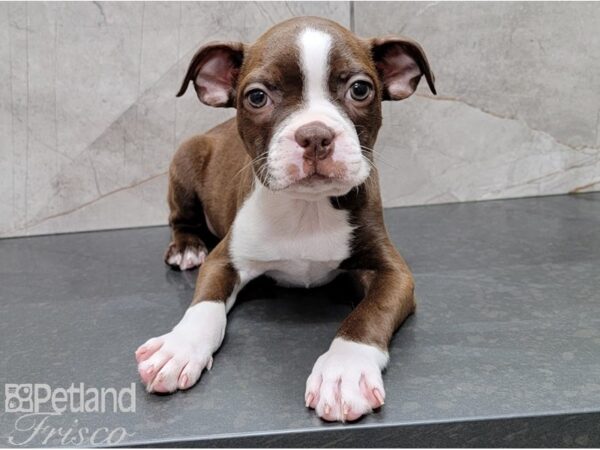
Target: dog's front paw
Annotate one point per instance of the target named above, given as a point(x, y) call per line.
point(176, 360)
point(185, 257)
point(345, 383)
point(170, 362)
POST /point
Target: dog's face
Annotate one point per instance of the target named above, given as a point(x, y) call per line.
point(308, 96)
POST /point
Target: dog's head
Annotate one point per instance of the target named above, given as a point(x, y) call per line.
point(308, 95)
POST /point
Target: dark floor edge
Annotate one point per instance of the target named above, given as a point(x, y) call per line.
point(143, 227)
point(560, 430)
point(99, 230)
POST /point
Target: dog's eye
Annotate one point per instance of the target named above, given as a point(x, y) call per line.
point(257, 98)
point(360, 90)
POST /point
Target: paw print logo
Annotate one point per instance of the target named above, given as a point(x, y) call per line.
point(18, 398)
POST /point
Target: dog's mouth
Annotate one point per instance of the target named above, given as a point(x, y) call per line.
point(318, 185)
point(326, 172)
point(316, 178)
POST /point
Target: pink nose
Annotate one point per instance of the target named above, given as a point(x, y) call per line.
point(316, 139)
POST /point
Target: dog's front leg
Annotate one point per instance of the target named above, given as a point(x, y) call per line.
point(175, 360)
point(346, 381)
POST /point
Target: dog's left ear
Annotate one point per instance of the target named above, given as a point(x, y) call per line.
point(214, 69)
point(401, 62)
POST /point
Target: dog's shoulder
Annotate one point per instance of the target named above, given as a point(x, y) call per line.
point(206, 151)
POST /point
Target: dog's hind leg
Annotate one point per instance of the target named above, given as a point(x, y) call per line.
point(190, 232)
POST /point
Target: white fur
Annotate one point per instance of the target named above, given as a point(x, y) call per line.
point(284, 151)
point(187, 350)
point(175, 259)
point(314, 56)
point(335, 381)
point(297, 242)
point(243, 278)
point(190, 258)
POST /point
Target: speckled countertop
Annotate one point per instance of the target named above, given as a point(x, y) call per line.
point(504, 348)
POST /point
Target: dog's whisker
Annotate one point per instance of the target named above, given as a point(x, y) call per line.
point(257, 159)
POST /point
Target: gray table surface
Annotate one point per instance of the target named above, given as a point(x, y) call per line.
point(504, 348)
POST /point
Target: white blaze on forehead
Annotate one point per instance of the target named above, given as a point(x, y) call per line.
point(314, 58)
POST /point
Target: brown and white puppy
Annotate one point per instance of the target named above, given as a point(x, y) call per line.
point(289, 188)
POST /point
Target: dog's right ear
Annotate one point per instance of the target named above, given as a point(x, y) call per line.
point(214, 70)
point(401, 62)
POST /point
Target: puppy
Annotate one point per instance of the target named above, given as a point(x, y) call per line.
point(289, 188)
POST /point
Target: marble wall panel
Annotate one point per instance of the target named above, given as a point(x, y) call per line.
point(89, 120)
point(518, 110)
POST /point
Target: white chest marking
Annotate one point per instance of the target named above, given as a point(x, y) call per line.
point(297, 242)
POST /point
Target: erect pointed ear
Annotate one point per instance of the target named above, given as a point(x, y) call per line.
point(400, 62)
point(214, 69)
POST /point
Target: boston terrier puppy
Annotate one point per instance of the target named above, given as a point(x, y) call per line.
point(289, 188)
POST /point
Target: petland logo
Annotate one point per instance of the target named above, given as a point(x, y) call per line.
point(35, 398)
point(39, 409)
